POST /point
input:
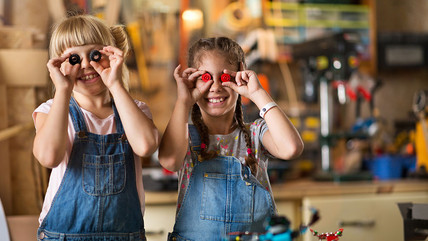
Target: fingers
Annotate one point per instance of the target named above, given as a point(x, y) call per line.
point(231, 85)
point(74, 71)
point(188, 72)
point(177, 75)
point(195, 75)
point(110, 50)
point(115, 55)
point(241, 77)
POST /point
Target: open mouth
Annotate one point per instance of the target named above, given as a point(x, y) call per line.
point(216, 100)
point(89, 77)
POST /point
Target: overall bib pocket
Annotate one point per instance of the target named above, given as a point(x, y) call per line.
point(103, 175)
point(227, 198)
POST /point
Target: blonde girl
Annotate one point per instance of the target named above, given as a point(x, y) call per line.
point(92, 134)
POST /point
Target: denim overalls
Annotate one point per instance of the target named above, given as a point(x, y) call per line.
point(222, 197)
point(97, 199)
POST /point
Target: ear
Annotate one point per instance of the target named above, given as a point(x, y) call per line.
point(242, 66)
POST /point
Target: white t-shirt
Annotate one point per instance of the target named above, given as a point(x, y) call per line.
point(94, 125)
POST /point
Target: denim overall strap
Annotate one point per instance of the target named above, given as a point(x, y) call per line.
point(77, 116)
point(119, 126)
point(97, 198)
point(195, 141)
point(222, 197)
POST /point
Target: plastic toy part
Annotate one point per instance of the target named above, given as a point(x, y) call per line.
point(95, 55)
point(74, 59)
point(328, 236)
point(277, 228)
point(225, 78)
point(206, 77)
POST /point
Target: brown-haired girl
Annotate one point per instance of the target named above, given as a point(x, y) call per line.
point(222, 161)
point(91, 134)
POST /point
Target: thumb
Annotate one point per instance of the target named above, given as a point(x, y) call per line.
point(99, 68)
point(231, 85)
point(74, 71)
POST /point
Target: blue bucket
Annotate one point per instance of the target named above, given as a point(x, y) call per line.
point(387, 167)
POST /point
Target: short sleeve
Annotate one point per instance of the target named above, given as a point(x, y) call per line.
point(144, 108)
point(258, 128)
point(42, 108)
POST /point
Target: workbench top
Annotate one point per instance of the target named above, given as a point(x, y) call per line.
point(295, 190)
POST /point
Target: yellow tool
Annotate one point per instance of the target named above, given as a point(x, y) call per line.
point(420, 107)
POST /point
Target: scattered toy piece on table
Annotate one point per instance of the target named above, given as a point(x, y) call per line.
point(277, 228)
point(328, 236)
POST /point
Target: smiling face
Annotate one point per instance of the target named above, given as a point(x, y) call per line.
point(219, 101)
point(88, 81)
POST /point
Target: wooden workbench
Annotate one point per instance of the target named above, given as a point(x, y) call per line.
point(294, 190)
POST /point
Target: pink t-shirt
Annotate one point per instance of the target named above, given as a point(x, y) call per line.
point(94, 125)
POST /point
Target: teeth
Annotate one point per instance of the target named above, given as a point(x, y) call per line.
point(87, 77)
point(215, 100)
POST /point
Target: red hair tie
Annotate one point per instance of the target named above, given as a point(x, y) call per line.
point(203, 146)
point(249, 151)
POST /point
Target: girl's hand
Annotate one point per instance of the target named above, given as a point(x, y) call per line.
point(63, 79)
point(246, 83)
point(187, 91)
point(111, 74)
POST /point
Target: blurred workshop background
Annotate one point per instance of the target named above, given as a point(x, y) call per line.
point(352, 75)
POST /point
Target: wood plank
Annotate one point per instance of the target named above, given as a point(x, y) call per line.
point(56, 10)
point(2, 5)
point(31, 14)
point(15, 38)
point(34, 60)
point(23, 227)
point(112, 12)
point(22, 161)
point(10, 132)
point(5, 171)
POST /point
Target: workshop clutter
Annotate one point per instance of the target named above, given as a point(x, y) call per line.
point(387, 166)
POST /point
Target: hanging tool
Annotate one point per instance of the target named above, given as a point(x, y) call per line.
point(420, 107)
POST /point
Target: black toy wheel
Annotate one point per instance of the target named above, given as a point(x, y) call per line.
point(74, 59)
point(95, 55)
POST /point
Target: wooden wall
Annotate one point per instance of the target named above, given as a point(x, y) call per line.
point(23, 76)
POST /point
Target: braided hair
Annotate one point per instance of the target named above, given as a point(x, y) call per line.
point(235, 56)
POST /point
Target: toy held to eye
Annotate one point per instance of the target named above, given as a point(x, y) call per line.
point(95, 55)
point(74, 59)
point(225, 77)
point(206, 77)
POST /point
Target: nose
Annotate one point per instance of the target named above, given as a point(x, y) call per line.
point(216, 86)
point(85, 62)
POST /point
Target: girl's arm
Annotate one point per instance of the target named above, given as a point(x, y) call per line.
point(174, 143)
point(51, 138)
point(282, 139)
point(142, 134)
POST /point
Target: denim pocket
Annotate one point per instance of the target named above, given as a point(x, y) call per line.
point(104, 175)
point(227, 198)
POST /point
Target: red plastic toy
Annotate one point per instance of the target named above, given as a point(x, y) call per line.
point(224, 77)
point(328, 236)
point(206, 77)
